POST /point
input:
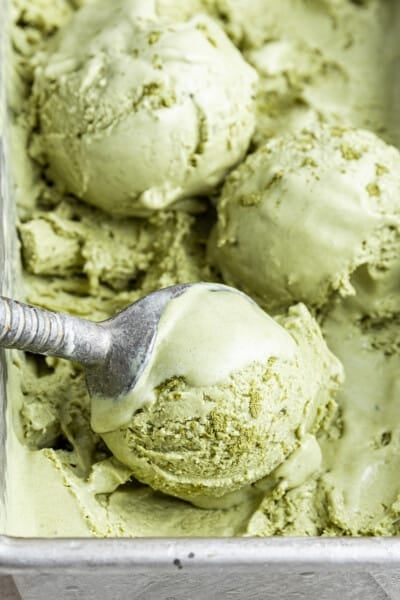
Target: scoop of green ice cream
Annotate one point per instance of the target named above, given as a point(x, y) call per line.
point(305, 211)
point(229, 395)
point(144, 110)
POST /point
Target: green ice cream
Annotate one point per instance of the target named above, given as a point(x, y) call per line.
point(143, 111)
point(300, 215)
point(76, 252)
point(228, 395)
point(320, 67)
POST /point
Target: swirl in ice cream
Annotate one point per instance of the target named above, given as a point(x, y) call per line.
point(305, 211)
point(229, 395)
point(143, 110)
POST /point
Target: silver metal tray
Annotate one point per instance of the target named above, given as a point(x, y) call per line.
point(167, 569)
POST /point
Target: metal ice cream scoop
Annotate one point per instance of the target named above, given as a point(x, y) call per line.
point(114, 353)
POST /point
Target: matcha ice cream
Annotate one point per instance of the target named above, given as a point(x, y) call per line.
point(144, 110)
point(313, 210)
point(306, 210)
point(228, 395)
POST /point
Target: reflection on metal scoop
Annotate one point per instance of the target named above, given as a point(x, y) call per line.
point(114, 353)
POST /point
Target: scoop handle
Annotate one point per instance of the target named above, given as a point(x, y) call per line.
point(41, 331)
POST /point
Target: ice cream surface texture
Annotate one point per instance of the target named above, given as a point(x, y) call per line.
point(329, 191)
point(191, 344)
point(307, 223)
point(144, 110)
point(215, 418)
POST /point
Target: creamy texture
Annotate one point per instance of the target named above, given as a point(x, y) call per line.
point(361, 470)
point(191, 343)
point(144, 110)
point(319, 61)
point(303, 212)
point(209, 435)
point(331, 61)
point(92, 276)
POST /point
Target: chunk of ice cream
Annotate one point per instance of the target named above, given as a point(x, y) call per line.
point(305, 211)
point(142, 111)
point(229, 394)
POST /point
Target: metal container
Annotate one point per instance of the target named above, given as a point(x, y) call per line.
point(168, 569)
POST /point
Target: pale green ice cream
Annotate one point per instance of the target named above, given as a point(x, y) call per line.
point(83, 260)
point(209, 417)
point(319, 65)
point(190, 344)
point(301, 214)
point(144, 110)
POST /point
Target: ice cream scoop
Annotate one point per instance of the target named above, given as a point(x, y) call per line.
point(303, 213)
point(195, 388)
point(208, 439)
point(143, 111)
point(114, 352)
point(129, 355)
